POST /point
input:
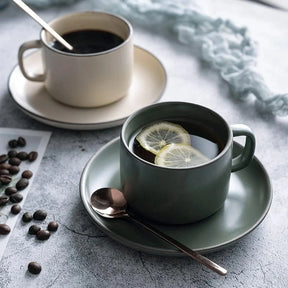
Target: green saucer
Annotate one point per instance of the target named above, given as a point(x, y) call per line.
point(248, 202)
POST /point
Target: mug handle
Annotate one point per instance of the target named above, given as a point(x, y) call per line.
point(242, 160)
point(34, 44)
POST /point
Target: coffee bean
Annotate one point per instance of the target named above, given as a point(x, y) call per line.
point(12, 153)
point(40, 215)
point(13, 143)
point(32, 156)
point(15, 209)
point(16, 198)
point(3, 158)
point(4, 172)
point(3, 200)
point(43, 235)
point(21, 142)
point(5, 179)
point(5, 166)
point(14, 161)
point(27, 217)
point(10, 190)
point(4, 229)
point(34, 229)
point(14, 170)
point(22, 184)
point(52, 226)
point(22, 155)
point(34, 268)
point(27, 174)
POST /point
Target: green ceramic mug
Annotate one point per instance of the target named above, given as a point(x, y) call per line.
point(180, 195)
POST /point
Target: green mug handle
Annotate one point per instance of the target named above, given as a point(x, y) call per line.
point(243, 160)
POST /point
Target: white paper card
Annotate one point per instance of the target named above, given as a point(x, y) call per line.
point(36, 141)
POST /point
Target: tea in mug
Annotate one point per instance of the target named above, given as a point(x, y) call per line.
point(176, 144)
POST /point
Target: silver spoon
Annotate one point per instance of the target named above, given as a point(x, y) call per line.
point(45, 25)
point(111, 203)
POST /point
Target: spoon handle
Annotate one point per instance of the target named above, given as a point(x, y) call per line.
point(32, 14)
point(195, 255)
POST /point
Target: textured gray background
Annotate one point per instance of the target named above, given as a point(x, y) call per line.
point(79, 254)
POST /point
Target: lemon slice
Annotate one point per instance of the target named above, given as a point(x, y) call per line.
point(154, 137)
point(179, 156)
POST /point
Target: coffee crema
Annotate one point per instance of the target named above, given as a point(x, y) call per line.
point(89, 41)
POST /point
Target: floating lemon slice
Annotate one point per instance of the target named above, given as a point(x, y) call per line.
point(179, 156)
point(156, 136)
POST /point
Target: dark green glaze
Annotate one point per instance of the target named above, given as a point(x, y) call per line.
point(178, 196)
point(248, 201)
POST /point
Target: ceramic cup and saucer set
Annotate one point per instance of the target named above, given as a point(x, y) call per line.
point(86, 90)
point(206, 205)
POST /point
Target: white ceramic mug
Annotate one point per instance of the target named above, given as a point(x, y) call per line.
point(84, 80)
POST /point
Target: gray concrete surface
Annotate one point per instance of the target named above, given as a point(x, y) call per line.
point(79, 254)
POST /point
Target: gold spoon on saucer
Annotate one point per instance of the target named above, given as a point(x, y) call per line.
point(45, 25)
point(111, 203)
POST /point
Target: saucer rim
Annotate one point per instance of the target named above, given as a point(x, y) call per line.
point(165, 251)
point(88, 125)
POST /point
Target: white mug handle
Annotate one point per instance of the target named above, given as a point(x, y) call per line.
point(34, 44)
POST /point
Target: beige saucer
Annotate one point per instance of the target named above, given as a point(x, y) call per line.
point(149, 82)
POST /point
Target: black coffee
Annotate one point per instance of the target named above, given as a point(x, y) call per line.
point(89, 41)
point(202, 139)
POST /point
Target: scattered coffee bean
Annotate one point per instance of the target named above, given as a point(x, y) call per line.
point(5, 179)
point(34, 268)
point(10, 190)
point(52, 226)
point(15, 209)
point(21, 142)
point(22, 184)
point(12, 153)
point(34, 229)
point(4, 229)
point(13, 143)
point(5, 166)
point(3, 200)
point(14, 161)
point(32, 156)
point(43, 235)
point(3, 158)
point(16, 198)
point(22, 155)
point(4, 172)
point(27, 217)
point(14, 170)
point(40, 215)
point(27, 174)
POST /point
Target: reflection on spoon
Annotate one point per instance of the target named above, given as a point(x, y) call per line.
point(111, 203)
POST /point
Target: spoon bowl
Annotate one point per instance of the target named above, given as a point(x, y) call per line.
point(111, 203)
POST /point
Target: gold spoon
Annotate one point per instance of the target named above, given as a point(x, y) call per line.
point(111, 203)
point(45, 25)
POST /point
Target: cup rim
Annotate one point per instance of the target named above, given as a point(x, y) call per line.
point(42, 32)
point(220, 155)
